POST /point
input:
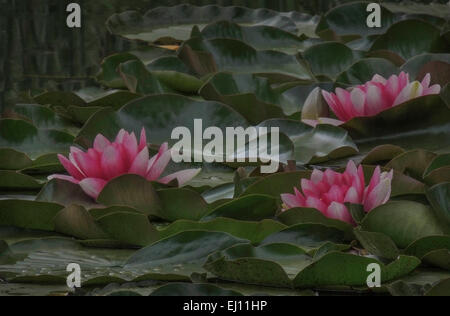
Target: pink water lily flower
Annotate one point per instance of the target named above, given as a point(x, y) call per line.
point(377, 95)
point(93, 169)
point(328, 191)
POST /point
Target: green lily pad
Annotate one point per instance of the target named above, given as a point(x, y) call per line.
point(158, 114)
point(109, 75)
point(364, 70)
point(64, 193)
point(410, 38)
point(24, 137)
point(253, 207)
point(404, 222)
point(177, 22)
point(382, 154)
point(13, 180)
point(439, 197)
point(228, 55)
point(253, 231)
point(277, 184)
point(440, 289)
point(423, 246)
point(131, 190)
point(419, 123)
point(330, 58)
point(171, 71)
point(345, 269)
point(28, 214)
point(378, 244)
point(188, 289)
point(139, 80)
point(76, 221)
point(261, 37)
point(315, 145)
point(181, 204)
point(296, 216)
point(349, 21)
point(286, 265)
point(271, 265)
point(307, 236)
point(129, 227)
point(183, 248)
point(242, 90)
point(412, 163)
point(414, 65)
point(11, 159)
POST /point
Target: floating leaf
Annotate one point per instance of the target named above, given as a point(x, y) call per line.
point(253, 207)
point(403, 221)
point(228, 55)
point(154, 24)
point(131, 190)
point(410, 38)
point(253, 231)
point(28, 214)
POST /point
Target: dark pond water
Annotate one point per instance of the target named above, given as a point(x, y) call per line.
point(38, 51)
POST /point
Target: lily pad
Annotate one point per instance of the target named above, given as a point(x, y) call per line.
point(349, 21)
point(253, 231)
point(28, 214)
point(420, 123)
point(330, 58)
point(229, 55)
point(24, 137)
point(404, 222)
point(159, 114)
point(253, 207)
point(410, 38)
point(131, 190)
point(177, 22)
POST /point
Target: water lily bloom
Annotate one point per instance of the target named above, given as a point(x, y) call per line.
point(328, 191)
point(377, 95)
point(93, 169)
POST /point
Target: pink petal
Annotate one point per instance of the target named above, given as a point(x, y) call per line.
point(182, 176)
point(120, 136)
point(339, 211)
point(93, 187)
point(100, 143)
point(375, 101)
point(112, 162)
point(426, 81)
point(316, 176)
point(63, 177)
point(140, 163)
point(160, 163)
point(71, 168)
point(358, 99)
point(88, 163)
point(379, 79)
point(375, 179)
point(352, 196)
point(345, 100)
point(378, 196)
point(309, 188)
point(313, 202)
point(411, 91)
point(143, 140)
point(291, 201)
point(130, 146)
point(434, 89)
point(335, 194)
point(335, 107)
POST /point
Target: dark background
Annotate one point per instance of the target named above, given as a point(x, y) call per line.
point(38, 51)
